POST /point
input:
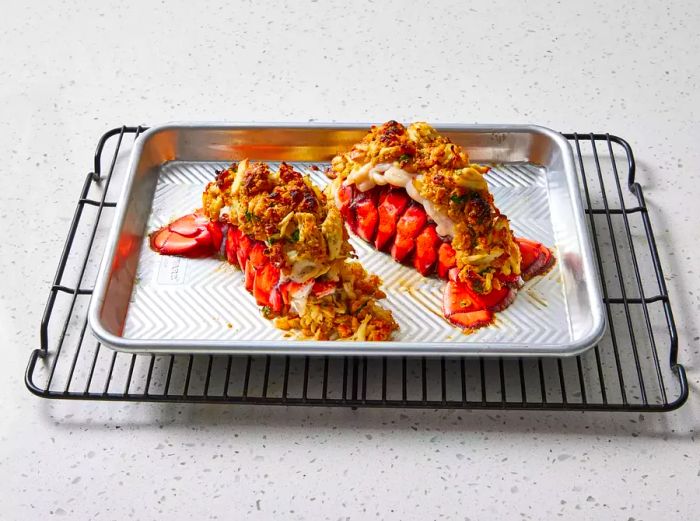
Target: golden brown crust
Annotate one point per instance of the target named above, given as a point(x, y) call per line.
point(282, 209)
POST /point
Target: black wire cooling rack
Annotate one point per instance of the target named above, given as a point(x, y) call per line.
point(634, 367)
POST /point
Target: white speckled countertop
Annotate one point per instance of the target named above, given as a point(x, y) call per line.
point(69, 72)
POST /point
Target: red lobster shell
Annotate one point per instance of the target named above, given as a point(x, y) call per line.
point(391, 221)
point(195, 236)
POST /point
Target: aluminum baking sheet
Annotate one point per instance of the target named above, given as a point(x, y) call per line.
point(144, 302)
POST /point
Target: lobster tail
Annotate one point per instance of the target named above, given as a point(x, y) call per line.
point(391, 221)
point(292, 247)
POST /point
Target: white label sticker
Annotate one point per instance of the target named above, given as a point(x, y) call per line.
point(171, 270)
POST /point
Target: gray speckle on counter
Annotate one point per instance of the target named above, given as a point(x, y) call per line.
point(72, 70)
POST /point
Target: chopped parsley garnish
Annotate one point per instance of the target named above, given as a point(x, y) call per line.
point(295, 235)
point(404, 157)
point(458, 199)
point(251, 217)
point(266, 311)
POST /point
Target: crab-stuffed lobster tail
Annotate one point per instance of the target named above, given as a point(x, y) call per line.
point(412, 193)
point(292, 248)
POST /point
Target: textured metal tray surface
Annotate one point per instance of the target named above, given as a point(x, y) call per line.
point(146, 302)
